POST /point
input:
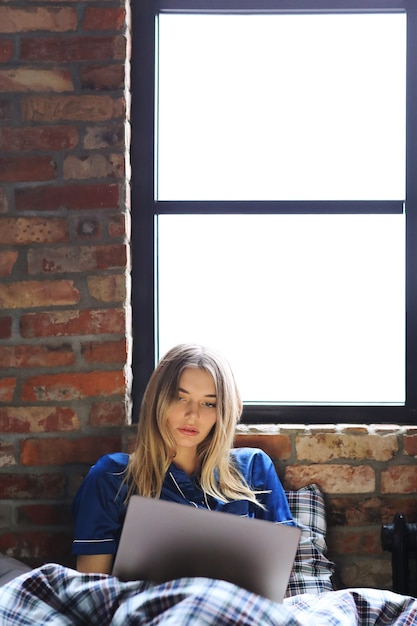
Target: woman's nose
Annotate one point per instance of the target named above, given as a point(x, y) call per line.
point(192, 409)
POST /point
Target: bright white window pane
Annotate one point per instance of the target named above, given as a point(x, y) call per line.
point(281, 107)
point(307, 308)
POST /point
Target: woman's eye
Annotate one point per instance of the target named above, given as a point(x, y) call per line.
point(210, 405)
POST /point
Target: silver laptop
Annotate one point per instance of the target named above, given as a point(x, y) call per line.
point(161, 541)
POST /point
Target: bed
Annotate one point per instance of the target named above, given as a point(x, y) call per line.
point(60, 596)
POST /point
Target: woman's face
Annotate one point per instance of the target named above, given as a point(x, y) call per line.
point(192, 414)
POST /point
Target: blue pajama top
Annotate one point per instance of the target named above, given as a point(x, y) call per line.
point(99, 508)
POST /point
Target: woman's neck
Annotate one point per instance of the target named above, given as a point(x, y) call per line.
point(187, 462)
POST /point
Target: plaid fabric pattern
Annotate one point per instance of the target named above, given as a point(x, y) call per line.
point(354, 607)
point(311, 571)
point(59, 596)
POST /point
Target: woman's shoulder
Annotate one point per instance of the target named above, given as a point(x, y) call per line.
point(104, 479)
point(109, 467)
point(251, 459)
point(114, 463)
point(249, 454)
point(258, 469)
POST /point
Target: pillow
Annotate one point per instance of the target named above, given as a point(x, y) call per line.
point(10, 568)
point(311, 571)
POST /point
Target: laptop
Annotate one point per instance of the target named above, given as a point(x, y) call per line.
point(162, 541)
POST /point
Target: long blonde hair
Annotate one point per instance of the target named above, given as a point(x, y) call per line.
point(155, 447)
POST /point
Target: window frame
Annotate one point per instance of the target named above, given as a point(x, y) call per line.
point(145, 207)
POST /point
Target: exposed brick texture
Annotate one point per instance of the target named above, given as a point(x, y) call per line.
point(76, 197)
point(38, 419)
point(63, 451)
point(23, 80)
point(36, 356)
point(24, 230)
point(5, 327)
point(367, 475)
point(30, 294)
point(73, 322)
point(20, 169)
point(39, 138)
point(65, 323)
point(64, 345)
point(7, 260)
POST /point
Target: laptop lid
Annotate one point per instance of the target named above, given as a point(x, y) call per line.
point(162, 541)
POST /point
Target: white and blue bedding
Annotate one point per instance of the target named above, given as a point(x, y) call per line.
point(59, 596)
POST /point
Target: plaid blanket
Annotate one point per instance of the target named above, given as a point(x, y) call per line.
point(59, 596)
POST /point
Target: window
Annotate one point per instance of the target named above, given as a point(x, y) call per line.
point(271, 205)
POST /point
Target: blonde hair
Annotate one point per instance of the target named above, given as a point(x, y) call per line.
point(155, 447)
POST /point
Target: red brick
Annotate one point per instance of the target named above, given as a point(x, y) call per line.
point(26, 79)
point(38, 419)
point(39, 138)
point(64, 323)
point(67, 451)
point(36, 547)
point(26, 230)
point(101, 19)
point(7, 387)
point(94, 166)
point(105, 414)
point(8, 259)
point(38, 294)
point(109, 136)
point(354, 541)
point(26, 169)
point(405, 504)
point(105, 351)
point(47, 198)
point(84, 108)
point(70, 49)
point(399, 479)
point(324, 446)
point(7, 454)
point(276, 446)
point(374, 571)
point(107, 288)
point(117, 225)
point(36, 356)
point(6, 51)
point(410, 445)
point(76, 259)
point(43, 514)
point(101, 78)
point(73, 386)
point(5, 327)
point(332, 478)
point(354, 511)
point(31, 486)
point(15, 20)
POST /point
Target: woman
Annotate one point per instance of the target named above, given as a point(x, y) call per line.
point(183, 454)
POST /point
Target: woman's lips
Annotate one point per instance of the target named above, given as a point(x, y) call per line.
point(188, 431)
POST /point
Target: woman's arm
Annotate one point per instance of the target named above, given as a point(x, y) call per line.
point(95, 563)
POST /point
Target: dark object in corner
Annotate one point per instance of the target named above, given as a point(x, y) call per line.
point(10, 568)
point(399, 538)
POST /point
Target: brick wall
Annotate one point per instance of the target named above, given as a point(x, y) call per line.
point(64, 258)
point(367, 474)
point(64, 303)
